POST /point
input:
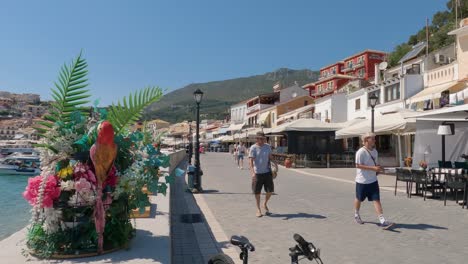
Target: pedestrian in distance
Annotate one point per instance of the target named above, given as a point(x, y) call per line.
point(240, 156)
point(367, 185)
point(234, 152)
point(260, 156)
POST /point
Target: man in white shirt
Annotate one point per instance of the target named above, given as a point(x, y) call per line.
point(367, 185)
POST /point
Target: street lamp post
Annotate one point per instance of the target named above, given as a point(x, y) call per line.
point(198, 95)
point(373, 102)
point(190, 137)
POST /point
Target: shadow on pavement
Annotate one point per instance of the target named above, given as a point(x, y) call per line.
point(298, 215)
point(218, 192)
point(419, 227)
point(141, 250)
point(410, 226)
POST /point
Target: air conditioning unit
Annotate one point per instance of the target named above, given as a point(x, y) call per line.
point(440, 59)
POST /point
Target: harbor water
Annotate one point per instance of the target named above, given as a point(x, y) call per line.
point(15, 209)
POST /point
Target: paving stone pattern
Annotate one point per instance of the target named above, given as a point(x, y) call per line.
point(320, 209)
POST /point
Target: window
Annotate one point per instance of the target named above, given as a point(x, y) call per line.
point(357, 104)
point(350, 64)
point(360, 60)
point(334, 70)
point(330, 85)
point(392, 92)
point(306, 102)
point(361, 73)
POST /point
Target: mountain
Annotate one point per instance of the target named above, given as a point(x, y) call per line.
point(218, 96)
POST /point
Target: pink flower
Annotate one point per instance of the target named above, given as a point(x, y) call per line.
point(51, 191)
point(82, 185)
point(112, 178)
point(82, 170)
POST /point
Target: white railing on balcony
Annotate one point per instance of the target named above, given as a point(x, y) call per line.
point(257, 107)
point(443, 74)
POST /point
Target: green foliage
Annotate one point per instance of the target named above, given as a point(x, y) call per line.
point(442, 23)
point(118, 230)
point(81, 239)
point(398, 53)
point(127, 113)
point(69, 94)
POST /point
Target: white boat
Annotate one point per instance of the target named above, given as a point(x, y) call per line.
point(20, 164)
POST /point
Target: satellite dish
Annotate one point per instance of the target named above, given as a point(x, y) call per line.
point(383, 66)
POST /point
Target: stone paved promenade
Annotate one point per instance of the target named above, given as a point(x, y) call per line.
point(317, 203)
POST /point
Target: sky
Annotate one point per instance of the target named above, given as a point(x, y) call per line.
point(130, 45)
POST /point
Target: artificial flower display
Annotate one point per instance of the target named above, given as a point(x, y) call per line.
point(93, 170)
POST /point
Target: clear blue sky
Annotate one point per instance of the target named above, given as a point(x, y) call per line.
point(132, 44)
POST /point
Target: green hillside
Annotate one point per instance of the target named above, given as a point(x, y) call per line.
point(442, 22)
point(179, 105)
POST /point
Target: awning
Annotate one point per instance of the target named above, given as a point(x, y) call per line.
point(392, 123)
point(226, 139)
point(234, 127)
point(307, 124)
point(454, 110)
point(222, 130)
point(294, 113)
point(433, 92)
point(263, 117)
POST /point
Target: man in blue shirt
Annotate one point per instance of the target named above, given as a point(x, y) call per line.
point(260, 155)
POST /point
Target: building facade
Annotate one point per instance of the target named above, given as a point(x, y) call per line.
point(335, 76)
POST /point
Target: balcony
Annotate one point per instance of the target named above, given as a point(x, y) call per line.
point(327, 76)
point(359, 64)
point(348, 68)
point(257, 107)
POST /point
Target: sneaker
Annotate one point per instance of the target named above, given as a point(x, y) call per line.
point(387, 225)
point(358, 220)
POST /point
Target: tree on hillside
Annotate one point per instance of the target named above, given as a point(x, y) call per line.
point(398, 53)
point(442, 23)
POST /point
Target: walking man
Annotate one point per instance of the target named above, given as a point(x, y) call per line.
point(234, 152)
point(260, 155)
point(367, 185)
point(240, 156)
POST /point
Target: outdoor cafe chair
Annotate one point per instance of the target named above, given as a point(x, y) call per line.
point(455, 181)
point(403, 175)
point(419, 177)
point(436, 180)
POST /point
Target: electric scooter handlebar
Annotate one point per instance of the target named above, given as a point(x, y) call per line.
point(242, 242)
point(308, 249)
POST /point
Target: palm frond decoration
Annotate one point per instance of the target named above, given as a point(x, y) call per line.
point(126, 113)
point(69, 95)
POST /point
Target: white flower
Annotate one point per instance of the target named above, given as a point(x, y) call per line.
point(52, 220)
point(67, 185)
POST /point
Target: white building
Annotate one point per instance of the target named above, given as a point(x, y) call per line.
point(239, 113)
point(331, 108)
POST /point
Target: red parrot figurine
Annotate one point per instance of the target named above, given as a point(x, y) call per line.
point(102, 154)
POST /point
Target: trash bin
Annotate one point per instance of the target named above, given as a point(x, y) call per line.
point(190, 176)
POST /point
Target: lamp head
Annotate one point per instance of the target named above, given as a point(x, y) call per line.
point(373, 98)
point(198, 96)
point(445, 130)
point(427, 150)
